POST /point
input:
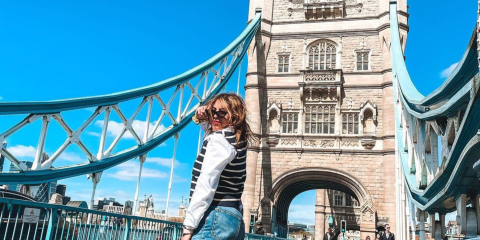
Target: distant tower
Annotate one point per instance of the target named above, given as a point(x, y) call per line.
point(319, 93)
point(182, 209)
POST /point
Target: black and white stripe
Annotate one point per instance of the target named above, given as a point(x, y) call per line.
point(232, 179)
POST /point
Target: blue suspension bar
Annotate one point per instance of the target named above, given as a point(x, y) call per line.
point(46, 107)
point(47, 175)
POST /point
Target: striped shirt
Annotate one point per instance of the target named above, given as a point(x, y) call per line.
point(218, 176)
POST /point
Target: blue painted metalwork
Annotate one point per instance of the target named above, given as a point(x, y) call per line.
point(251, 236)
point(460, 87)
point(69, 223)
point(65, 222)
point(233, 53)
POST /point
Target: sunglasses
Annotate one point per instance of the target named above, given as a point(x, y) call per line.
point(219, 113)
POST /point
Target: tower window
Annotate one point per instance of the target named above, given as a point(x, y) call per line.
point(362, 61)
point(350, 123)
point(290, 123)
point(283, 63)
point(322, 56)
point(320, 119)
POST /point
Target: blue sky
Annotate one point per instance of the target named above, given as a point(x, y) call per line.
point(65, 49)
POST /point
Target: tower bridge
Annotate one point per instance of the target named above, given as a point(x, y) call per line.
point(334, 107)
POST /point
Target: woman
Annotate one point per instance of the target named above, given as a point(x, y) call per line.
point(219, 172)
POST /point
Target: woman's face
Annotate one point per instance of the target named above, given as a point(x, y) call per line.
point(220, 116)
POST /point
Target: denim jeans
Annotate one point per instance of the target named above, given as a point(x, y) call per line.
point(220, 223)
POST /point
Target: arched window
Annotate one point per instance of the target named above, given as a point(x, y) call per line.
point(322, 56)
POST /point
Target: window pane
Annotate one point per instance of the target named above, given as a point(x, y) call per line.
point(307, 118)
point(290, 117)
point(284, 127)
point(365, 66)
point(314, 127)
point(295, 127)
point(356, 118)
point(359, 57)
point(359, 66)
point(295, 118)
point(344, 118)
point(344, 128)
point(320, 118)
point(280, 68)
point(307, 128)
point(284, 117)
point(332, 117)
point(350, 118)
point(332, 128)
point(286, 68)
point(355, 127)
point(289, 127)
point(325, 128)
point(350, 128)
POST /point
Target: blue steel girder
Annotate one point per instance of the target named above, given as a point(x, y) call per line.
point(457, 94)
point(221, 67)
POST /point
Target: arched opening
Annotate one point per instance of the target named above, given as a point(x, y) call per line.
point(341, 191)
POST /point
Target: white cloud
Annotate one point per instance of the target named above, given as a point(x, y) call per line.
point(446, 72)
point(22, 151)
point(128, 171)
point(95, 134)
point(114, 128)
point(71, 157)
point(166, 162)
point(304, 214)
point(29, 151)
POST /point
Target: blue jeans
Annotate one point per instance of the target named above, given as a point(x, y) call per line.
point(220, 223)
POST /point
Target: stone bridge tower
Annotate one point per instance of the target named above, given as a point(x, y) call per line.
point(319, 92)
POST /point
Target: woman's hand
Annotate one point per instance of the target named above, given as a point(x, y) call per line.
point(201, 113)
point(186, 237)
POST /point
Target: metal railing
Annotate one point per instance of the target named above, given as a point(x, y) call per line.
point(251, 236)
point(24, 220)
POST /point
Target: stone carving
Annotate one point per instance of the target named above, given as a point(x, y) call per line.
point(350, 103)
point(350, 143)
point(272, 141)
point(368, 143)
point(322, 94)
point(310, 143)
point(351, 2)
point(320, 78)
point(367, 217)
point(319, 143)
point(290, 104)
point(289, 142)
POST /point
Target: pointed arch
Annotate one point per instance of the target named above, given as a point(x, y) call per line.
point(424, 177)
point(428, 135)
point(451, 134)
point(413, 168)
point(415, 130)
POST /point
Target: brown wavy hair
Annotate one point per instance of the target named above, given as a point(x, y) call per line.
point(237, 110)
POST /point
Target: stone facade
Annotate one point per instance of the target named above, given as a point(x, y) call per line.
point(348, 81)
